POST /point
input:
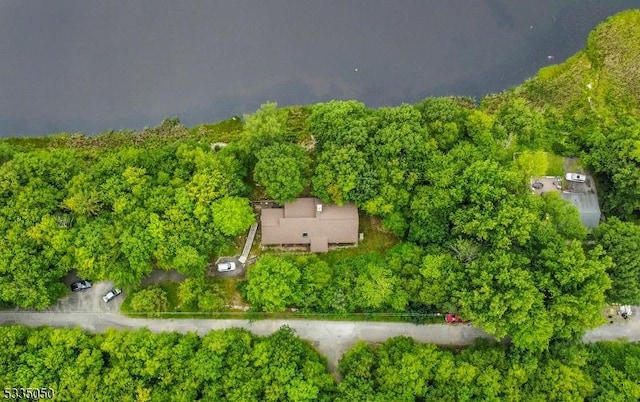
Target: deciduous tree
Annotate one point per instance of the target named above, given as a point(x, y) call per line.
point(282, 170)
point(621, 241)
point(151, 300)
point(232, 215)
point(273, 283)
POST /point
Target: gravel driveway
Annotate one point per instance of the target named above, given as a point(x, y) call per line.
point(88, 301)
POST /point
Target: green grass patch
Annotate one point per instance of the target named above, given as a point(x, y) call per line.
point(223, 131)
point(231, 247)
point(170, 288)
point(291, 315)
point(26, 144)
point(376, 240)
point(172, 292)
point(225, 286)
point(556, 165)
point(125, 307)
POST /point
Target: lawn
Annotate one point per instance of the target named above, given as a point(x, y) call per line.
point(227, 287)
point(375, 239)
point(223, 131)
point(556, 165)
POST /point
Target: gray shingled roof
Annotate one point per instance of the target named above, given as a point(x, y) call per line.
point(587, 205)
point(319, 244)
point(301, 208)
point(271, 216)
point(300, 222)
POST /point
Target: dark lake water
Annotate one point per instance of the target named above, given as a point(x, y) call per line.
point(95, 65)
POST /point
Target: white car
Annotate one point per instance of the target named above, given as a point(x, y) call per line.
point(576, 177)
point(226, 266)
point(111, 295)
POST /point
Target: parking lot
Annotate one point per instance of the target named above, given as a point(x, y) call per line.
point(88, 300)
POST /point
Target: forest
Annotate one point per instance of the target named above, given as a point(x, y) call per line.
point(235, 365)
point(447, 179)
point(114, 214)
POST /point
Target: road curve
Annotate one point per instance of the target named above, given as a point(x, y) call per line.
point(330, 338)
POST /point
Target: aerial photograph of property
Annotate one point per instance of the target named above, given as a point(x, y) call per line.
point(354, 201)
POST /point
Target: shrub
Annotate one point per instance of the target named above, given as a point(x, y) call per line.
point(152, 300)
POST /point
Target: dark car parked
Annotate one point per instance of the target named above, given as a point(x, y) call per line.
point(80, 285)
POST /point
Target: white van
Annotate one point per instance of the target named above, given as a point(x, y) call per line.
point(576, 177)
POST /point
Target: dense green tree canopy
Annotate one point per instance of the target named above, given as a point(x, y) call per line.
point(236, 365)
point(109, 214)
point(500, 255)
point(232, 215)
point(282, 170)
point(445, 119)
point(232, 365)
point(264, 128)
point(621, 240)
point(403, 370)
point(614, 153)
point(272, 283)
point(366, 283)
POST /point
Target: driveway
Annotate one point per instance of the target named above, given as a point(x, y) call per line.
point(628, 329)
point(239, 272)
point(158, 276)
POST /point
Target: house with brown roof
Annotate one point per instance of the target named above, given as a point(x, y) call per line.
point(309, 221)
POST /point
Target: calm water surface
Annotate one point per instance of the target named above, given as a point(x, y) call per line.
point(95, 65)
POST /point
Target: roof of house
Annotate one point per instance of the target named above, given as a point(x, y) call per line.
point(301, 208)
point(310, 221)
point(319, 244)
point(587, 205)
point(271, 216)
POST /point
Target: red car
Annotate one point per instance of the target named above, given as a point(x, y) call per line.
point(452, 318)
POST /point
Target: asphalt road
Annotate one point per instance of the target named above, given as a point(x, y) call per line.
point(331, 338)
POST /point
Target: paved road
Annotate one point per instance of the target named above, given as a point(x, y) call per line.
point(331, 338)
point(629, 330)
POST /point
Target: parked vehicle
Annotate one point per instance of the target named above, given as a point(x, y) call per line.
point(111, 295)
point(80, 285)
point(452, 318)
point(625, 311)
point(226, 266)
point(576, 177)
